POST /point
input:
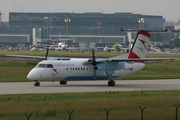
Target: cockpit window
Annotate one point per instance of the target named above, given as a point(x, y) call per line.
point(45, 66)
point(41, 65)
point(49, 66)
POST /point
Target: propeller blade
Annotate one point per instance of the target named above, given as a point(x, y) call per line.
point(94, 63)
point(47, 50)
point(93, 58)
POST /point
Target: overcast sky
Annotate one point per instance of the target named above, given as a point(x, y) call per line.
point(169, 9)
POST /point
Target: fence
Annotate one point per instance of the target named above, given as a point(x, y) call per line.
point(105, 114)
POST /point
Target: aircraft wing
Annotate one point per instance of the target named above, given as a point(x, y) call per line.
point(35, 57)
point(25, 56)
point(32, 57)
point(136, 59)
point(98, 61)
point(114, 59)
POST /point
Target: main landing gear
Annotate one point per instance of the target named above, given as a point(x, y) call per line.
point(36, 83)
point(111, 82)
point(63, 82)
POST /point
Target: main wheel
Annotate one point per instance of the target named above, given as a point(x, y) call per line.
point(111, 83)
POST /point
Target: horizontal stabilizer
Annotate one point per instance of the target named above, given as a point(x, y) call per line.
point(136, 30)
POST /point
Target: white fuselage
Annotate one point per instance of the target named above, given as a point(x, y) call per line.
point(75, 69)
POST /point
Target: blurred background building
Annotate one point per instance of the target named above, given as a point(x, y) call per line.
point(83, 29)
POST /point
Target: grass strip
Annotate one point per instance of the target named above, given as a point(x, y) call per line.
point(123, 105)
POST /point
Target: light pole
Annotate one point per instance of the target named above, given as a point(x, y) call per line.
point(2, 17)
point(141, 23)
point(67, 20)
point(45, 24)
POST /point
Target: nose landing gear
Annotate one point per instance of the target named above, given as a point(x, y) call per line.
point(36, 83)
point(63, 82)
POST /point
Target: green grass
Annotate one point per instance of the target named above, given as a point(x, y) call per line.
point(78, 53)
point(157, 70)
point(17, 70)
point(123, 105)
point(62, 53)
point(88, 106)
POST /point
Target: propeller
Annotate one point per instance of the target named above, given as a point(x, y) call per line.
point(94, 63)
point(47, 50)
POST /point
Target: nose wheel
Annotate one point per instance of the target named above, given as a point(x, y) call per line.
point(63, 82)
point(36, 83)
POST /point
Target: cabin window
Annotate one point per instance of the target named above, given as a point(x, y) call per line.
point(67, 68)
point(49, 66)
point(41, 65)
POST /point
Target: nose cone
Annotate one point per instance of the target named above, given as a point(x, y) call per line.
point(33, 75)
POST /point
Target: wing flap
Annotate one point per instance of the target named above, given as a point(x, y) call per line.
point(136, 59)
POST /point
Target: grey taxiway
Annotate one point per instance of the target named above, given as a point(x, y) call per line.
point(89, 86)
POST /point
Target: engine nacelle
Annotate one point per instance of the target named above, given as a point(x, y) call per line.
point(110, 65)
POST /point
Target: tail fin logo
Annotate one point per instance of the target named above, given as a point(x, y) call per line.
point(140, 46)
point(143, 42)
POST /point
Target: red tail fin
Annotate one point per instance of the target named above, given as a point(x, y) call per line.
point(139, 48)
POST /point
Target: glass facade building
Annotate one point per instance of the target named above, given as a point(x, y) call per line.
point(81, 25)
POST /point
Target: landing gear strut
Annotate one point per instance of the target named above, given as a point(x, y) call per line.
point(36, 83)
point(111, 82)
point(63, 82)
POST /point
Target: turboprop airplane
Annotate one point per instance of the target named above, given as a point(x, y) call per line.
point(84, 69)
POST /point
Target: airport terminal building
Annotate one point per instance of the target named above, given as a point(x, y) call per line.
point(86, 29)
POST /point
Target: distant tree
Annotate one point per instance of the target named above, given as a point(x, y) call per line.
point(117, 47)
point(73, 39)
